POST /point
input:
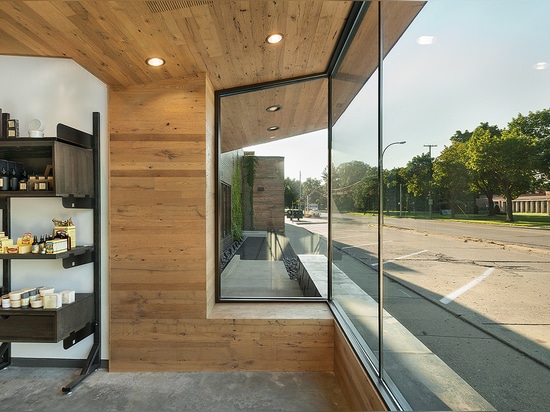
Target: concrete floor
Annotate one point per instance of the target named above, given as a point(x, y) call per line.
point(39, 389)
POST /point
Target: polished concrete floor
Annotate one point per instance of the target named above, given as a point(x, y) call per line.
point(39, 389)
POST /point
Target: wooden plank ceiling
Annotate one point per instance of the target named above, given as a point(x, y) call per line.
point(225, 39)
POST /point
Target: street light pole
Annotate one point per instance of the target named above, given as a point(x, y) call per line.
point(430, 200)
point(381, 189)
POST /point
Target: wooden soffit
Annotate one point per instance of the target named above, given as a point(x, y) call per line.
point(225, 39)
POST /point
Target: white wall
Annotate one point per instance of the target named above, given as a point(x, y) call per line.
point(56, 91)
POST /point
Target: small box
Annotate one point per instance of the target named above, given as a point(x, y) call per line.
point(13, 132)
point(39, 183)
point(24, 249)
point(56, 245)
point(70, 230)
point(52, 300)
point(13, 124)
point(68, 296)
point(6, 243)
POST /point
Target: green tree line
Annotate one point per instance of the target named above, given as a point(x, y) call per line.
point(487, 161)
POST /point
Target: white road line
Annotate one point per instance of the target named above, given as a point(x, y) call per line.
point(452, 296)
point(401, 257)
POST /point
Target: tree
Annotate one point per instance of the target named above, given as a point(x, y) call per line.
point(418, 175)
point(537, 126)
point(461, 137)
point(451, 175)
point(365, 193)
point(481, 181)
point(394, 183)
point(508, 158)
point(313, 191)
point(345, 177)
point(292, 192)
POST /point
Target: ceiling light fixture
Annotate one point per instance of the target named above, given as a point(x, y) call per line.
point(272, 128)
point(155, 61)
point(274, 108)
point(274, 38)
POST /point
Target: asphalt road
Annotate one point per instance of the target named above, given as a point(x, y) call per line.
point(477, 295)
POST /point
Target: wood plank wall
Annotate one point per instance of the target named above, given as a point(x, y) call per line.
point(163, 315)
point(358, 389)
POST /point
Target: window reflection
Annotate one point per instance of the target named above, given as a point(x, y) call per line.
point(277, 187)
point(461, 294)
point(464, 282)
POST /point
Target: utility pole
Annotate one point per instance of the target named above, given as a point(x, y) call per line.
point(430, 200)
point(300, 194)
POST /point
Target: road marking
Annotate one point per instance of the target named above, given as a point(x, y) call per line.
point(405, 293)
point(401, 257)
point(452, 296)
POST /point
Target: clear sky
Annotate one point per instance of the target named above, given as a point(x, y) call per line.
point(487, 61)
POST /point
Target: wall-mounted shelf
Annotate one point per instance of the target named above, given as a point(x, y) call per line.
point(47, 325)
point(74, 159)
point(77, 256)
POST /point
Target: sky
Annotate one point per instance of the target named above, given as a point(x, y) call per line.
point(487, 61)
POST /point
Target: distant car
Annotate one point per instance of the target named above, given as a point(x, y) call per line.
point(313, 211)
point(295, 214)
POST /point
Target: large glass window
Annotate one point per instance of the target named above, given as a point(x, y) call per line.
point(451, 134)
point(428, 228)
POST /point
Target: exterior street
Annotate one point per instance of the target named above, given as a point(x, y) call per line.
point(476, 295)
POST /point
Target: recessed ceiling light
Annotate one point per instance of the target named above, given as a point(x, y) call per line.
point(272, 128)
point(155, 61)
point(425, 40)
point(541, 65)
point(274, 38)
point(273, 108)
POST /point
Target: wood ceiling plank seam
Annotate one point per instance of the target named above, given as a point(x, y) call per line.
point(137, 53)
point(208, 29)
point(234, 17)
point(296, 45)
point(293, 36)
point(108, 36)
point(170, 37)
point(324, 41)
point(27, 24)
point(335, 23)
point(313, 109)
point(148, 34)
point(316, 49)
point(198, 51)
point(265, 20)
point(17, 41)
point(140, 53)
point(67, 37)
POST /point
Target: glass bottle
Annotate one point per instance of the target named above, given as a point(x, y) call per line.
point(35, 248)
point(4, 180)
point(14, 181)
point(42, 245)
point(24, 181)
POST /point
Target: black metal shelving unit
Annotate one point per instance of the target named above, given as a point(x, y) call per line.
point(73, 322)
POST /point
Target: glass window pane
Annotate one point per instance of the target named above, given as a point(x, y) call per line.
point(354, 191)
point(277, 246)
point(464, 296)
